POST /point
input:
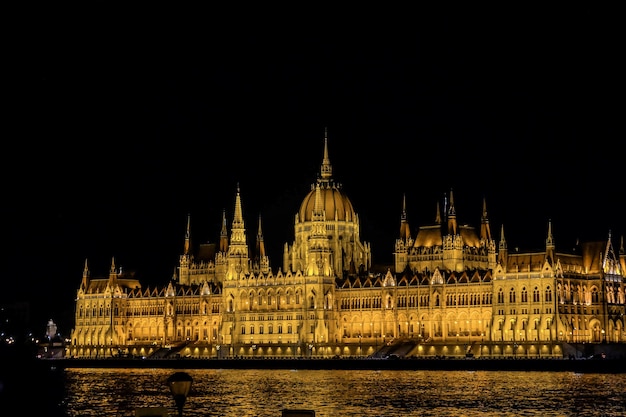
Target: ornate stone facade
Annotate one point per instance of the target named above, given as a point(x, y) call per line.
point(452, 291)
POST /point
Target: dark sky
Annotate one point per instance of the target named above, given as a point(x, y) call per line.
point(119, 127)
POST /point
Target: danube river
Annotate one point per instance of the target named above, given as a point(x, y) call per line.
point(337, 393)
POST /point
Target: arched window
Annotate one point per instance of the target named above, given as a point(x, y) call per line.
point(536, 295)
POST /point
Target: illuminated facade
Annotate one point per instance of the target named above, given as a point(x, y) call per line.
point(453, 290)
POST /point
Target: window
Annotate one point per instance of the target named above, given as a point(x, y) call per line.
point(536, 295)
point(548, 294)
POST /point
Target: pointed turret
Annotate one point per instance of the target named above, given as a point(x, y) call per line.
point(238, 258)
point(85, 282)
point(485, 229)
point(224, 234)
point(405, 232)
point(503, 251)
point(452, 224)
point(550, 244)
point(187, 246)
point(260, 244)
point(113, 273)
point(261, 260)
point(327, 169)
point(437, 214)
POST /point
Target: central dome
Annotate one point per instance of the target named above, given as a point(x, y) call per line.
point(333, 201)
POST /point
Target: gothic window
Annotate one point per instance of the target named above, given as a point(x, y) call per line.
point(524, 295)
point(548, 294)
point(261, 329)
point(500, 296)
point(512, 295)
point(536, 295)
point(243, 329)
point(251, 329)
point(289, 329)
point(270, 329)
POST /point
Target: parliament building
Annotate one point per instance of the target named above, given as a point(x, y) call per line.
point(453, 290)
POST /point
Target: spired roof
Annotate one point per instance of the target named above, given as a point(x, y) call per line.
point(429, 236)
point(335, 204)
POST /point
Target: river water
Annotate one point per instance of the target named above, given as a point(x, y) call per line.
point(338, 393)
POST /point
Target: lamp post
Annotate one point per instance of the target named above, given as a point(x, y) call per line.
point(180, 384)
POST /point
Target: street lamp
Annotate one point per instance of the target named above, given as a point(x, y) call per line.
point(180, 384)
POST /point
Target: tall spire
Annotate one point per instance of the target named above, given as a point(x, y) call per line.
point(405, 232)
point(113, 273)
point(452, 226)
point(550, 243)
point(437, 214)
point(260, 244)
point(503, 252)
point(327, 169)
point(224, 234)
point(85, 282)
point(485, 229)
point(238, 228)
point(187, 236)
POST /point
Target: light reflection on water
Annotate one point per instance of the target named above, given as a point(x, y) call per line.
point(338, 393)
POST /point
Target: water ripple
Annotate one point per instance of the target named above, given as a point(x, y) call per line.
point(339, 393)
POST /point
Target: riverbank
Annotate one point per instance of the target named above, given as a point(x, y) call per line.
point(467, 364)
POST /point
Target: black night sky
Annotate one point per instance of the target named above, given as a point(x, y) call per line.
point(118, 129)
